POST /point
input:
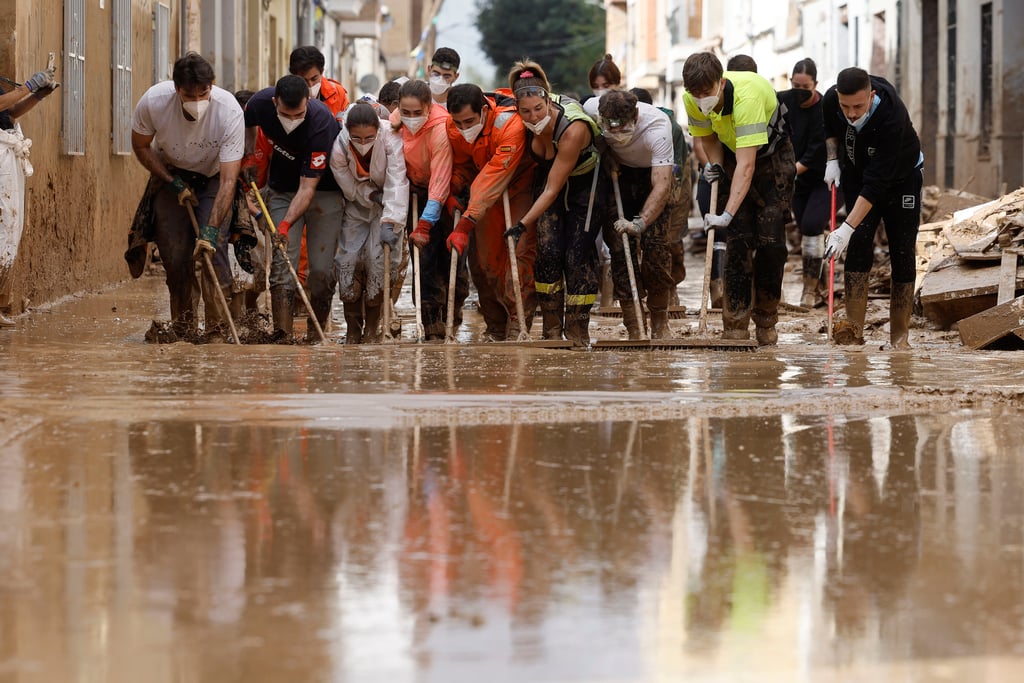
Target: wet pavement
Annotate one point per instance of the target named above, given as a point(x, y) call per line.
point(211, 513)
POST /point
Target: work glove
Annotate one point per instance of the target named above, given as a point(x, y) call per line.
point(377, 197)
point(456, 203)
point(40, 79)
point(243, 251)
point(837, 240)
point(717, 221)
point(183, 191)
point(713, 172)
point(832, 172)
point(459, 239)
point(634, 227)
point(207, 242)
point(389, 235)
point(281, 236)
point(515, 232)
point(421, 235)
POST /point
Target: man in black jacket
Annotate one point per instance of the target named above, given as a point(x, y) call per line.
point(878, 166)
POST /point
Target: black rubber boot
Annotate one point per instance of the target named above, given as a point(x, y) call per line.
point(282, 303)
point(353, 322)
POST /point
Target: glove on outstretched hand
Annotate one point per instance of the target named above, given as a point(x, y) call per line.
point(421, 235)
point(837, 240)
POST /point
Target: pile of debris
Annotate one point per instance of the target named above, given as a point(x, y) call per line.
point(967, 267)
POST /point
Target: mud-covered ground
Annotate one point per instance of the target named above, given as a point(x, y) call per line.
point(182, 512)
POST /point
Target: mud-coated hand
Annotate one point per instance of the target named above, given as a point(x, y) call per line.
point(389, 235)
point(377, 197)
point(837, 240)
point(207, 242)
point(713, 172)
point(832, 172)
point(183, 191)
point(243, 252)
point(281, 236)
point(634, 227)
point(515, 232)
point(44, 92)
point(421, 235)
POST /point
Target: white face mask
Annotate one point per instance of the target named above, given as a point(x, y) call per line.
point(196, 109)
point(314, 90)
point(362, 147)
point(470, 134)
point(414, 123)
point(438, 85)
point(859, 123)
point(538, 128)
point(600, 91)
point(707, 104)
point(289, 124)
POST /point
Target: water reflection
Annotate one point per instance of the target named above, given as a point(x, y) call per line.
point(643, 550)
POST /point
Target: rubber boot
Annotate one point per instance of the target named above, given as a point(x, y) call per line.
point(607, 286)
point(812, 248)
point(353, 322)
point(322, 311)
point(717, 287)
point(659, 324)
point(282, 302)
point(371, 324)
point(850, 332)
point(6, 322)
point(766, 315)
point(901, 304)
point(630, 320)
point(552, 308)
point(577, 326)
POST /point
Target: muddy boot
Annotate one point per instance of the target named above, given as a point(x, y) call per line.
point(901, 303)
point(552, 308)
point(607, 286)
point(812, 248)
point(322, 311)
point(659, 325)
point(630, 320)
point(353, 322)
point(850, 331)
point(282, 301)
point(766, 316)
point(577, 326)
point(371, 325)
point(6, 322)
point(717, 287)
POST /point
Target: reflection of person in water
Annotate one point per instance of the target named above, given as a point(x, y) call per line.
point(881, 529)
point(748, 535)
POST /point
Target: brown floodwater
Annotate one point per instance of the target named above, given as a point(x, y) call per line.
point(191, 513)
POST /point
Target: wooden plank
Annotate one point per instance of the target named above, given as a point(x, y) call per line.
point(982, 329)
point(1007, 277)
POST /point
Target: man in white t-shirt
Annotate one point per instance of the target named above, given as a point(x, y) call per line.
point(190, 135)
point(639, 138)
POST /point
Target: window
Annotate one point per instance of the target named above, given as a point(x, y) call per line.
point(161, 43)
point(73, 126)
point(121, 64)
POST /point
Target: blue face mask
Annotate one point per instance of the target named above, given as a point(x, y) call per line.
point(859, 123)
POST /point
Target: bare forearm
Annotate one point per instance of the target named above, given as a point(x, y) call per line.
point(152, 163)
point(11, 99)
point(300, 202)
point(660, 189)
point(24, 106)
point(861, 208)
point(831, 149)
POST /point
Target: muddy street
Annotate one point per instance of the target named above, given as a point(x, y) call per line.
point(328, 513)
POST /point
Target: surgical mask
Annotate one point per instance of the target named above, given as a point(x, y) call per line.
point(600, 91)
point(289, 124)
point(362, 147)
point(620, 135)
point(470, 134)
point(314, 90)
point(414, 123)
point(196, 109)
point(438, 85)
point(859, 123)
point(538, 128)
point(707, 104)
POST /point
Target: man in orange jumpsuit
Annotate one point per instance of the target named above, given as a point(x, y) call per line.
point(488, 157)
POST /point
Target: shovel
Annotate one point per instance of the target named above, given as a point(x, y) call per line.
point(291, 268)
point(449, 325)
point(215, 281)
point(517, 288)
point(629, 260)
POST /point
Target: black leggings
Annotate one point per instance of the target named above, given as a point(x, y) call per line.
point(811, 207)
point(901, 212)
